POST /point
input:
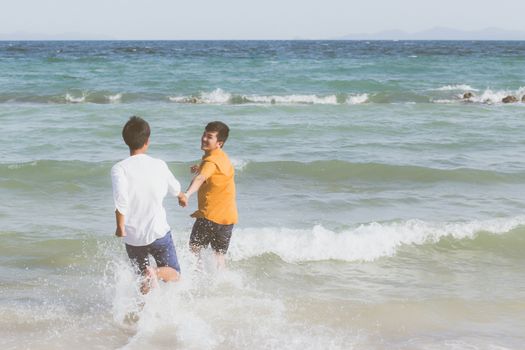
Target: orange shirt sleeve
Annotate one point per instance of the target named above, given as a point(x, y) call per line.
point(207, 169)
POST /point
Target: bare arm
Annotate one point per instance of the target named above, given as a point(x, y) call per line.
point(120, 190)
point(204, 171)
point(121, 229)
point(196, 183)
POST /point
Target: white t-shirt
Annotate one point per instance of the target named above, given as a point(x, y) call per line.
point(140, 183)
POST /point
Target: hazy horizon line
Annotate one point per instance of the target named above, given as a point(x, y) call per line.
point(431, 34)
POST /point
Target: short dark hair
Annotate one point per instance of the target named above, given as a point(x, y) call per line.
point(136, 132)
point(222, 130)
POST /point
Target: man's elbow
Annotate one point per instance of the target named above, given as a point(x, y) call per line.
point(120, 212)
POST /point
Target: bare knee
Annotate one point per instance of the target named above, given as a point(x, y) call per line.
point(168, 274)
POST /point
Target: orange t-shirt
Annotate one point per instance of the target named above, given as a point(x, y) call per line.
point(217, 193)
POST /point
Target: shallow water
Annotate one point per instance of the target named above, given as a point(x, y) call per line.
point(377, 209)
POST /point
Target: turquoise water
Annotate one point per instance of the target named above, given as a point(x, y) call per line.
point(379, 209)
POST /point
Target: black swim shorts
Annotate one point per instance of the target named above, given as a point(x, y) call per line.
point(206, 232)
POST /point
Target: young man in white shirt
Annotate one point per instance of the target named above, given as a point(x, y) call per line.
point(140, 183)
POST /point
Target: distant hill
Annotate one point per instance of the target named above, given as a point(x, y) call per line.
point(440, 33)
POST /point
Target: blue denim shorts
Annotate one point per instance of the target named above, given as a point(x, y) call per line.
point(162, 250)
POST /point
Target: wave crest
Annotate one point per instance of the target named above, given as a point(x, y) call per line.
point(219, 96)
point(460, 87)
point(449, 94)
point(488, 96)
point(495, 97)
point(74, 99)
point(364, 243)
point(326, 171)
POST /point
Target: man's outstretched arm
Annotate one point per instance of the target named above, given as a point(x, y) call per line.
point(203, 173)
point(195, 184)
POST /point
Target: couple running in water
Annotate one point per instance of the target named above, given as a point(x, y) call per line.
point(141, 182)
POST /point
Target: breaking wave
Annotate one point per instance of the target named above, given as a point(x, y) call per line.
point(219, 96)
point(488, 96)
point(495, 97)
point(450, 94)
point(366, 242)
point(460, 87)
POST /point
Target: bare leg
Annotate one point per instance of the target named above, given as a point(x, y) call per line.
point(196, 250)
point(220, 260)
point(149, 281)
point(167, 274)
point(152, 276)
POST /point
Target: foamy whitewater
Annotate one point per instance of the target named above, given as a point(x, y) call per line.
point(379, 207)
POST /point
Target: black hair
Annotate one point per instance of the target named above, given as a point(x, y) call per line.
point(222, 130)
point(136, 132)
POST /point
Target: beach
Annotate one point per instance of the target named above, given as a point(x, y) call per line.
point(379, 208)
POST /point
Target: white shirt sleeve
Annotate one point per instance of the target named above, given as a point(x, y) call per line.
point(120, 189)
point(173, 184)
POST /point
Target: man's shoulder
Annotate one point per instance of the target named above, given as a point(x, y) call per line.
point(124, 162)
point(132, 161)
point(141, 158)
point(217, 156)
point(118, 165)
point(221, 162)
point(158, 161)
point(224, 157)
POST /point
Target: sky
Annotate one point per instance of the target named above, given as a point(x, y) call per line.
point(247, 19)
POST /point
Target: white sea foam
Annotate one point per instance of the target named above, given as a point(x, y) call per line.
point(357, 99)
point(21, 165)
point(179, 99)
point(364, 243)
point(208, 309)
point(114, 98)
point(520, 93)
point(239, 164)
point(490, 96)
point(459, 87)
point(204, 311)
point(73, 99)
point(294, 99)
point(444, 101)
point(217, 96)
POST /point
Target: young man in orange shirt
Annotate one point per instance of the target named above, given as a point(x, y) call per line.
point(214, 181)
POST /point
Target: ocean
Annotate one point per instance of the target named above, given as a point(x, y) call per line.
point(379, 208)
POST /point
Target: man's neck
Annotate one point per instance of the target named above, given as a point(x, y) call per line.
point(136, 152)
point(207, 153)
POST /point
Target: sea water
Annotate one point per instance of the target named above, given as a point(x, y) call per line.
point(379, 209)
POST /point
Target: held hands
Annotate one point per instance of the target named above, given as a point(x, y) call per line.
point(183, 199)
